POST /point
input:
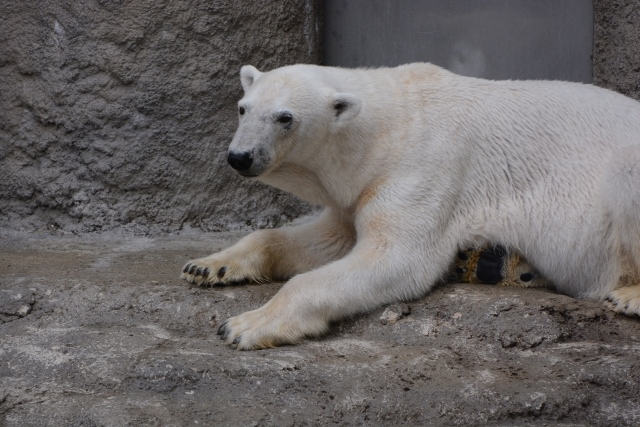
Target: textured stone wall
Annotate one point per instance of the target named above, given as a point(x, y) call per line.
point(616, 47)
point(118, 113)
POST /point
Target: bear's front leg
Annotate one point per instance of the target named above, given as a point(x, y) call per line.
point(371, 275)
point(278, 254)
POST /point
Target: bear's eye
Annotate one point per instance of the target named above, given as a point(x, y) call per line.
point(241, 110)
point(285, 118)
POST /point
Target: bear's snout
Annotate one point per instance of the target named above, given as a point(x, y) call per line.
point(240, 161)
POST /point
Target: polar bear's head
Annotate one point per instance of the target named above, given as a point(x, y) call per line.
point(286, 115)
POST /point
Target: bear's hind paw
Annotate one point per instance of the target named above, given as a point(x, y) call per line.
point(625, 300)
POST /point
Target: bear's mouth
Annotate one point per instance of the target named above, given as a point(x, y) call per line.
point(247, 174)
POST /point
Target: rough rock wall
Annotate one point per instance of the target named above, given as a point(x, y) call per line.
point(616, 47)
point(118, 113)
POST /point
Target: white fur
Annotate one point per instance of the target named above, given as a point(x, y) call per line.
point(413, 163)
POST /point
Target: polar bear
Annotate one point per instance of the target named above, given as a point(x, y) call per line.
point(414, 163)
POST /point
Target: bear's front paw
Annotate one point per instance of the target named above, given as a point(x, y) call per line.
point(215, 271)
point(267, 327)
point(625, 300)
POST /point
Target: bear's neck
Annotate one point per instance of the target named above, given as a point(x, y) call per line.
point(337, 176)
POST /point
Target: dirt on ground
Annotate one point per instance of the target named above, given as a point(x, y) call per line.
point(99, 331)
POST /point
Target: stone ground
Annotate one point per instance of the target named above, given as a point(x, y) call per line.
point(98, 331)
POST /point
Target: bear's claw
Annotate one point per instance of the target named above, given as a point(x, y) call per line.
point(198, 275)
point(224, 331)
point(214, 271)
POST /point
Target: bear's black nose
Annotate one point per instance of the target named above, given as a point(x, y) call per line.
point(240, 161)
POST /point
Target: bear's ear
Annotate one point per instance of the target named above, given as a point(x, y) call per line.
point(248, 75)
point(345, 106)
